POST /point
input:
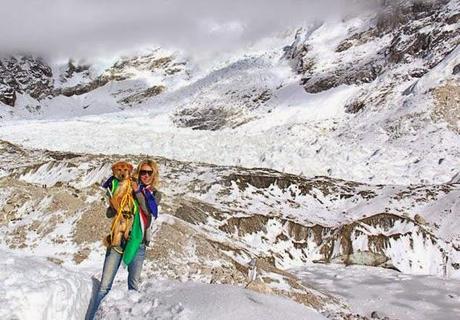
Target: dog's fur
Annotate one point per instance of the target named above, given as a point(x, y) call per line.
point(121, 170)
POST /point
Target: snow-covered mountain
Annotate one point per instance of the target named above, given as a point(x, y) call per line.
point(334, 142)
point(377, 93)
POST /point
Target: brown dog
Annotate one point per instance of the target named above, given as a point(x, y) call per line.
point(122, 201)
point(121, 170)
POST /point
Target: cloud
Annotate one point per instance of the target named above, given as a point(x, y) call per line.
point(85, 28)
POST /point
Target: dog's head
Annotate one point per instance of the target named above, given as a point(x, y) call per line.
point(122, 170)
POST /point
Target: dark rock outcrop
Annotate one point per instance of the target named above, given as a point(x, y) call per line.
point(143, 95)
point(213, 118)
point(24, 74)
point(7, 95)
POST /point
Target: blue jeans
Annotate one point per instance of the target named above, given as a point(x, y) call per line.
point(111, 264)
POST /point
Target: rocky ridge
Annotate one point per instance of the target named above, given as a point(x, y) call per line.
point(34, 77)
point(24, 74)
point(408, 37)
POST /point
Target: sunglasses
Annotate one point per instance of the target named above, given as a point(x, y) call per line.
point(146, 173)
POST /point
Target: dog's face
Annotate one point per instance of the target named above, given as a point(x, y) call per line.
point(122, 170)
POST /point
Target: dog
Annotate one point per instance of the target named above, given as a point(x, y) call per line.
point(121, 200)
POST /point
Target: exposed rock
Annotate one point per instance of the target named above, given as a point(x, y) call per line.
point(24, 74)
point(297, 54)
point(213, 118)
point(259, 286)
point(418, 72)
point(456, 69)
point(7, 95)
point(87, 87)
point(364, 258)
point(194, 211)
point(397, 13)
point(355, 107)
point(245, 225)
point(74, 67)
point(179, 251)
point(364, 73)
point(81, 255)
point(343, 46)
point(418, 33)
point(420, 220)
point(231, 109)
point(453, 19)
point(143, 95)
point(55, 260)
point(357, 39)
point(421, 45)
point(447, 105)
point(92, 225)
point(338, 244)
point(263, 179)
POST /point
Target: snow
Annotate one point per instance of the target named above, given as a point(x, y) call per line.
point(50, 173)
point(33, 288)
point(49, 291)
point(310, 148)
point(195, 301)
point(390, 293)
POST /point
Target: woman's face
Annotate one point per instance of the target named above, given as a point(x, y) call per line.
point(146, 174)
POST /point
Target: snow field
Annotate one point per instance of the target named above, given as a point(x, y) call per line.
point(33, 288)
point(390, 293)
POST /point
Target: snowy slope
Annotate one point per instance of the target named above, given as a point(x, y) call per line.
point(173, 300)
point(44, 291)
point(388, 293)
point(48, 291)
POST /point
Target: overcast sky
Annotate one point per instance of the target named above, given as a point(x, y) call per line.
point(84, 28)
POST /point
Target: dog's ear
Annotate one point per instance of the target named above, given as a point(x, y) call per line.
point(131, 168)
point(115, 165)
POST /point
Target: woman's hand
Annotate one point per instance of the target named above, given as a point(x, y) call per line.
point(134, 185)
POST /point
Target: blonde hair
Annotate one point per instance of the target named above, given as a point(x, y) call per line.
point(156, 174)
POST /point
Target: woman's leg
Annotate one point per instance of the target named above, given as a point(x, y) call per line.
point(135, 269)
point(111, 264)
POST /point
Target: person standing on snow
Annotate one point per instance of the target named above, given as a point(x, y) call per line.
point(148, 198)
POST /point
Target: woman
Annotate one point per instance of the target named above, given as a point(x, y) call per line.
point(133, 255)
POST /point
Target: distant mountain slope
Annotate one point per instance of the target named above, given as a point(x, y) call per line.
point(371, 98)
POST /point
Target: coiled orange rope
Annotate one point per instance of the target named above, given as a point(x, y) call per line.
point(126, 200)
